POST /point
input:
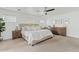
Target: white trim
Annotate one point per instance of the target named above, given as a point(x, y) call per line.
point(75, 36)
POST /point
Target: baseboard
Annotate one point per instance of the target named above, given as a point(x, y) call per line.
point(7, 39)
point(75, 36)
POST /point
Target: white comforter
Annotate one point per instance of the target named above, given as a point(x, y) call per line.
point(36, 35)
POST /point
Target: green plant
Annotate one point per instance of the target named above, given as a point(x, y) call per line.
point(2, 25)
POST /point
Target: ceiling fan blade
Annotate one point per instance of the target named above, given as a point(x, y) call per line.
point(50, 10)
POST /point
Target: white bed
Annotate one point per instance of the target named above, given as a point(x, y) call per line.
point(34, 34)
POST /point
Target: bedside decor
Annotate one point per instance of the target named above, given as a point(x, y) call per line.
point(17, 27)
point(59, 31)
point(2, 27)
point(16, 34)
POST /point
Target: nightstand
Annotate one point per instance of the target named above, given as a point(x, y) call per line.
point(16, 34)
point(59, 31)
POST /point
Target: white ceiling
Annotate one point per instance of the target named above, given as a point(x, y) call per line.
point(39, 10)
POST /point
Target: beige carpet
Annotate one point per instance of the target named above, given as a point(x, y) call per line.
point(56, 44)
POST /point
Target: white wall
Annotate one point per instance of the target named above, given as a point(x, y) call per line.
point(73, 25)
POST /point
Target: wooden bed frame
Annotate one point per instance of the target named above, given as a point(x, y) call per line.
point(41, 41)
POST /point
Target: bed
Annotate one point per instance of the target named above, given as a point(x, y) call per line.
point(35, 35)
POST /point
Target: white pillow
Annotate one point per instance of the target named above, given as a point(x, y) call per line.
point(23, 28)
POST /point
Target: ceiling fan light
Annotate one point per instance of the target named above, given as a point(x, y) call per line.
point(45, 13)
point(18, 9)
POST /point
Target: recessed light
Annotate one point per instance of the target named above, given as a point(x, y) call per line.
point(18, 9)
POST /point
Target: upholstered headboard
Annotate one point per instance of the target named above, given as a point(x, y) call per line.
point(29, 25)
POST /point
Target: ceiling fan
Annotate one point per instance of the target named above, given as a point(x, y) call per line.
point(48, 10)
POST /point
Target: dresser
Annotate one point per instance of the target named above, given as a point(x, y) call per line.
point(16, 34)
point(59, 31)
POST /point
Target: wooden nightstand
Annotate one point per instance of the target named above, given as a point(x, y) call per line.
point(16, 34)
point(59, 31)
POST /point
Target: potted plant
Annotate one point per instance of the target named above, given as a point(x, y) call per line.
point(2, 27)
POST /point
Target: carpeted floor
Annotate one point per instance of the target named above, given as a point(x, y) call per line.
point(56, 44)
